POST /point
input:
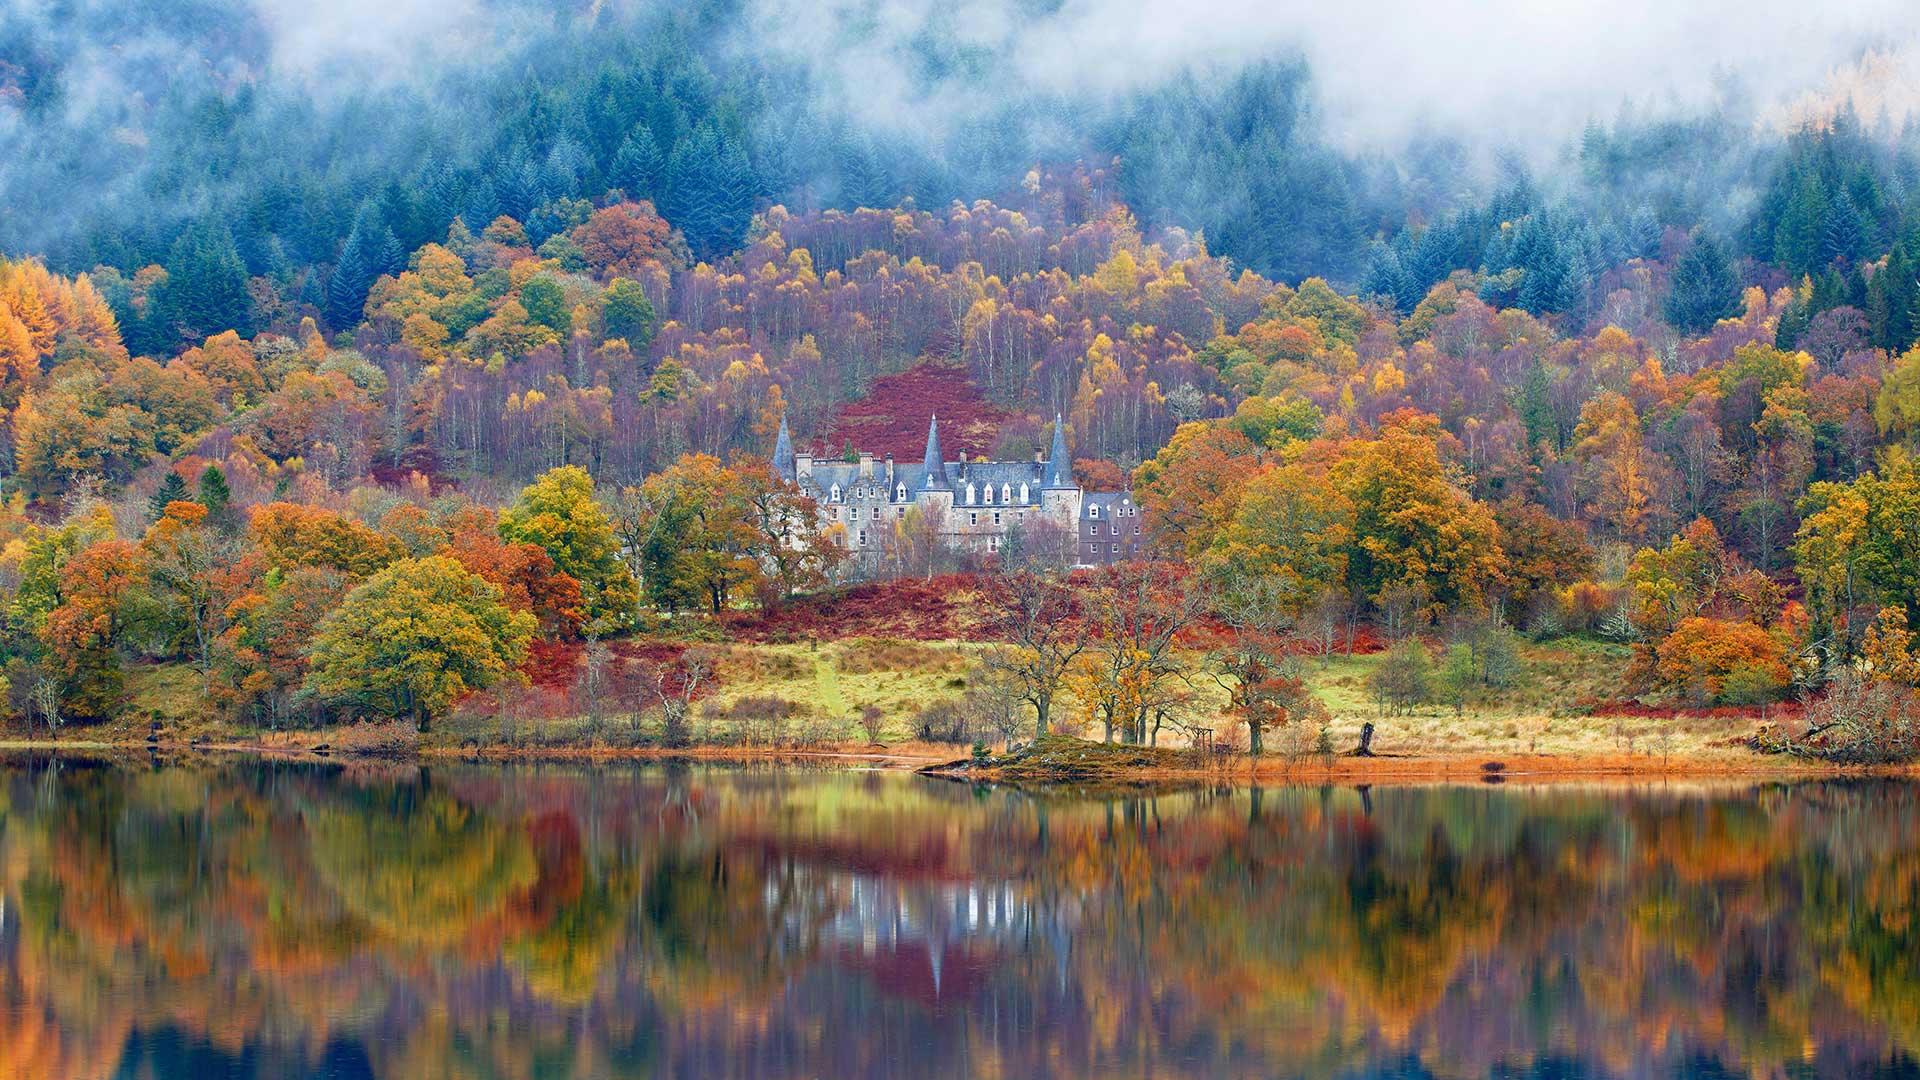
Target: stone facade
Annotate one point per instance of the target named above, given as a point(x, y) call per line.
point(977, 503)
point(1110, 530)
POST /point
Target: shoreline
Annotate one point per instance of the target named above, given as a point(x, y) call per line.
point(941, 763)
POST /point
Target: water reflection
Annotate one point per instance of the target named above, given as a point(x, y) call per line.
point(248, 919)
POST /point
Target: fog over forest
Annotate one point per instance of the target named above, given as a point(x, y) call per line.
point(121, 123)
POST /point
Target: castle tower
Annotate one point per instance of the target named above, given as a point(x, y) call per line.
point(935, 496)
point(1059, 495)
point(783, 451)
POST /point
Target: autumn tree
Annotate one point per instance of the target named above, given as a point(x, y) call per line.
point(83, 633)
point(414, 637)
point(1293, 528)
point(1136, 614)
point(559, 514)
point(1411, 524)
point(1037, 620)
point(1191, 489)
point(291, 535)
point(524, 573)
point(1252, 658)
point(183, 555)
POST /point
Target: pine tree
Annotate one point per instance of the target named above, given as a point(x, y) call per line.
point(1704, 289)
point(172, 490)
point(1842, 236)
point(347, 288)
point(1796, 238)
point(637, 167)
point(1536, 408)
point(215, 495)
point(1385, 277)
point(206, 288)
point(1891, 299)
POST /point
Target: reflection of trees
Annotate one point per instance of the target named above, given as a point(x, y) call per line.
point(417, 864)
point(528, 922)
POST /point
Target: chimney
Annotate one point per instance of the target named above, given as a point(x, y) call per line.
point(889, 470)
point(866, 465)
point(802, 466)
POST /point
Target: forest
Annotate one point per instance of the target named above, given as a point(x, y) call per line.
point(272, 385)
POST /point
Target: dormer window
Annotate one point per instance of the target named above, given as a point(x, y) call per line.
point(989, 494)
point(900, 492)
point(1023, 493)
point(970, 494)
point(833, 493)
point(1093, 511)
point(1006, 493)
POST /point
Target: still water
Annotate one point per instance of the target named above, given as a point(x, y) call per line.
point(243, 919)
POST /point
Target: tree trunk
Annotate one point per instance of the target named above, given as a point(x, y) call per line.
point(1365, 749)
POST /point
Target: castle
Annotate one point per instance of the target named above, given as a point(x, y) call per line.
point(977, 506)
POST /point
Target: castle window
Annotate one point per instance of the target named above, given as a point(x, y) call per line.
point(973, 517)
point(996, 517)
point(1116, 549)
point(1093, 530)
point(1116, 528)
point(863, 538)
point(899, 511)
point(993, 543)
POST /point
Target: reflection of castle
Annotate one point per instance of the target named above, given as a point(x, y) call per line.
point(977, 506)
point(930, 941)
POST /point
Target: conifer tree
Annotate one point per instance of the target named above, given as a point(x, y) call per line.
point(172, 490)
point(214, 494)
point(1704, 289)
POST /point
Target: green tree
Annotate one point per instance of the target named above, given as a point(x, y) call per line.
point(1704, 288)
point(414, 637)
point(546, 305)
point(216, 496)
point(1891, 299)
point(559, 514)
point(172, 489)
point(629, 314)
point(206, 286)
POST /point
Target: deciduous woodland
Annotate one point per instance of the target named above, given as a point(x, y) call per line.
point(475, 431)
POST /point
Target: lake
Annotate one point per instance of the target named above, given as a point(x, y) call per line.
point(238, 918)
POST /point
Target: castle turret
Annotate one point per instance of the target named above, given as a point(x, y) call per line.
point(1059, 466)
point(783, 451)
point(936, 474)
point(1059, 495)
point(935, 497)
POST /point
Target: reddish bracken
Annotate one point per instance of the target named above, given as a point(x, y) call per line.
point(892, 418)
point(1782, 710)
point(556, 664)
point(947, 607)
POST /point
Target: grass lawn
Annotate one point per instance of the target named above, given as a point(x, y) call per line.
point(1538, 713)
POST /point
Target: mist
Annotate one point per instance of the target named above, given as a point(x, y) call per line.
point(1511, 73)
point(107, 105)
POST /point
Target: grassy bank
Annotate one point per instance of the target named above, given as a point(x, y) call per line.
point(1560, 714)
